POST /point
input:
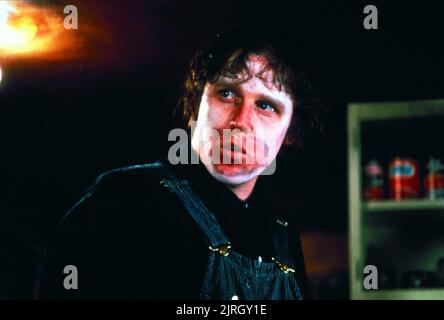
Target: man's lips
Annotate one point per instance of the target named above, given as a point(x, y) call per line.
point(235, 148)
point(234, 144)
point(246, 147)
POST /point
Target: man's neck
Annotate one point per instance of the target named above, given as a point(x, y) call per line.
point(243, 190)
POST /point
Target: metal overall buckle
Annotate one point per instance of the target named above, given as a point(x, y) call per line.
point(282, 266)
point(223, 249)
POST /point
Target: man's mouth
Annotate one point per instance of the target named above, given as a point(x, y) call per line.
point(235, 144)
point(245, 149)
point(238, 148)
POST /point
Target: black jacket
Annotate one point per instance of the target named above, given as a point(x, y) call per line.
point(131, 238)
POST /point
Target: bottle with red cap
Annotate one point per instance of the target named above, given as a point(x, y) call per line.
point(404, 175)
point(373, 181)
point(434, 180)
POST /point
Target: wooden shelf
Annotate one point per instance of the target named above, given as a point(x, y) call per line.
point(406, 234)
point(404, 205)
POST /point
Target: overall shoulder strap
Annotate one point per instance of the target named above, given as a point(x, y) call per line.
point(214, 235)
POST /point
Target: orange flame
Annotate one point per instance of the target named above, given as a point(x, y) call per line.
point(28, 29)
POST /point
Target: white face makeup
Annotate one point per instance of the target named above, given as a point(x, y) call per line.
point(258, 112)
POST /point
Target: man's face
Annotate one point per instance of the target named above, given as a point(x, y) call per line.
point(258, 113)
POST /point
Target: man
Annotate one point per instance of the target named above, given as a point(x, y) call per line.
point(198, 231)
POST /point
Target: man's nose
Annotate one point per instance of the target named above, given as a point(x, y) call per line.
point(243, 116)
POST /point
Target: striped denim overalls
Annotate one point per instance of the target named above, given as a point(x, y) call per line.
point(229, 274)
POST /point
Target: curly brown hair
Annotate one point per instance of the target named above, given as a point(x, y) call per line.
point(227, 55)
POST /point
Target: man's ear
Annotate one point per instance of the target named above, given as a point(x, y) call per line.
point(191, 120)
point(290, 137)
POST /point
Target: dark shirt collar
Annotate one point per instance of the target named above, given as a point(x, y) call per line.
point(217, 195)
point(245, 223)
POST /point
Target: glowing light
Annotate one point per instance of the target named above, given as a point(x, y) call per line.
point(5, 8)
point(14, 37)
point(26, 28)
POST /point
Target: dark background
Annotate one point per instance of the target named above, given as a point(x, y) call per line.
point(63, 122)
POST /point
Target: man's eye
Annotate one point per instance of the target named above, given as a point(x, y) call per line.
point(263, 105)
point(227, 94)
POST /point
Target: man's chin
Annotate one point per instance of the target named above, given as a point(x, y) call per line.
point(234, 173)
